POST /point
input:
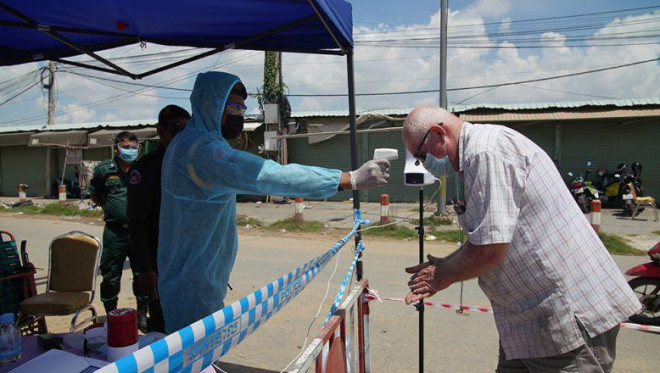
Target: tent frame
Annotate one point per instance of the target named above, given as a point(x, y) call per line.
point(55, 32)
point(112, 68)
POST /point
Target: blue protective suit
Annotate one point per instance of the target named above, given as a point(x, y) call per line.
point(201, 175)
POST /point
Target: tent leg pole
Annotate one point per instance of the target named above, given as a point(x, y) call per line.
point(353, 138)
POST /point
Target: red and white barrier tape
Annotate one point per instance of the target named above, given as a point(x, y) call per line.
point(645, 328)
point(373, 295)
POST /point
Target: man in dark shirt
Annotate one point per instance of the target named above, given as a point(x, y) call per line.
point(144, 211)
point(108, 190)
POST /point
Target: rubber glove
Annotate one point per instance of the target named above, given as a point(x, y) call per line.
point(371, 174)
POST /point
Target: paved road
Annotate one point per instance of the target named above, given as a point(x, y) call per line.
point(454, 343)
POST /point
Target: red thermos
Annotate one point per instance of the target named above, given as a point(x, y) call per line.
point(122, 327)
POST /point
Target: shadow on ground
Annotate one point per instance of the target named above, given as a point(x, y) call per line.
point(236, 368)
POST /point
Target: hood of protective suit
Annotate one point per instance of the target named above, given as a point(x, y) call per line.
point(208, 100)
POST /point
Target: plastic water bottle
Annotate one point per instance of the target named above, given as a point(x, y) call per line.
point(11, 346)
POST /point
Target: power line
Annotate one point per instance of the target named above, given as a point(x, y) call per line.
point(128, 83)
point(482, 86)
point(495, 47)
point(129, 91)
point(532, 20)
point(111, 99)
point(19, 93)
point(570, 93)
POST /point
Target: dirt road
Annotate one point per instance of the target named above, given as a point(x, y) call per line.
point(454, 343)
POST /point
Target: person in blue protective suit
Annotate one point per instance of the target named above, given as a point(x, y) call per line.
point(201, 176)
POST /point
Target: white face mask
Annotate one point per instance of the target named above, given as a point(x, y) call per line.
point(438, 167)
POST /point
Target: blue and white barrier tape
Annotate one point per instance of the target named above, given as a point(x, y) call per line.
point(196, 346)
point(342, 288)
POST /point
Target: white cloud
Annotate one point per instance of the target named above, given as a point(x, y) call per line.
point(110, 117)
point(379, 68)
point(75, 114)
point(488, 8)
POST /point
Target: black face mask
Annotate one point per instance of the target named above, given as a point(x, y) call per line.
point(233, 127)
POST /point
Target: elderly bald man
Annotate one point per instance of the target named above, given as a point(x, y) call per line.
point(557, 295)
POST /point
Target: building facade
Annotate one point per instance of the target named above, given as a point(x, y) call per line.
point(605, 132)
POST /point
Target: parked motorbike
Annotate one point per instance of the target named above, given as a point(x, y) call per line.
point(646, 285)
point(583, 191)
point(631, 188)
point(610, 186)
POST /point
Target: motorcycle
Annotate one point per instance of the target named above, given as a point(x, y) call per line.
point(611, 184)
point(647, 287)
point(583, 191)
point(631, 188)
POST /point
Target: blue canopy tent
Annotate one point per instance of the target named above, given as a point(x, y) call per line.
point(38, 30)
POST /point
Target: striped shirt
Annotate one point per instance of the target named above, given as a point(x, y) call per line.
point(556, 268)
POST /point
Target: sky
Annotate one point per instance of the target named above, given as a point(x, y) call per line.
point(491, 42)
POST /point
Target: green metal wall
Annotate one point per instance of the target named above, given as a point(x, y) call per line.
point(543, 134)
point(335, 153)
point(605, 142)
point(22, 164)
point(96, 154)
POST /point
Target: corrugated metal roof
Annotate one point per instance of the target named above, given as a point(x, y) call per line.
point(94, 125)
point(558, 115)
point(79, 126)
point(26, 128)
point(59, 138)
point(510, 107)
point(344, 113)
point(106, 137)
point(559, 105)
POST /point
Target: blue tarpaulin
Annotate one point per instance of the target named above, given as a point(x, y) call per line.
point(35, 30)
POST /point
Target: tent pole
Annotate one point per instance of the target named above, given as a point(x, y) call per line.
point(353, 138)
point(327, 27)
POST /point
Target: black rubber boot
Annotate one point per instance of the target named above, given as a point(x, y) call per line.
point(110, 306)
point(143, 308)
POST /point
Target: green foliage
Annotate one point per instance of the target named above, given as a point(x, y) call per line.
point(272, 90)
point(244, 220)
point(434, 221)
point(390, 231)
point(290, 225)
point(657, 232)
point(453, 235)
point(57, 210)
point(617, 246)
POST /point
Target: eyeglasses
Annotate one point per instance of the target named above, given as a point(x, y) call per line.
point(235, 108)
point(418, 154)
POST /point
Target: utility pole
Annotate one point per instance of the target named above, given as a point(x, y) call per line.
point(442, 201)
point(51, 92)
point(273, 88)
point(51, 114)
point(275, 104)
